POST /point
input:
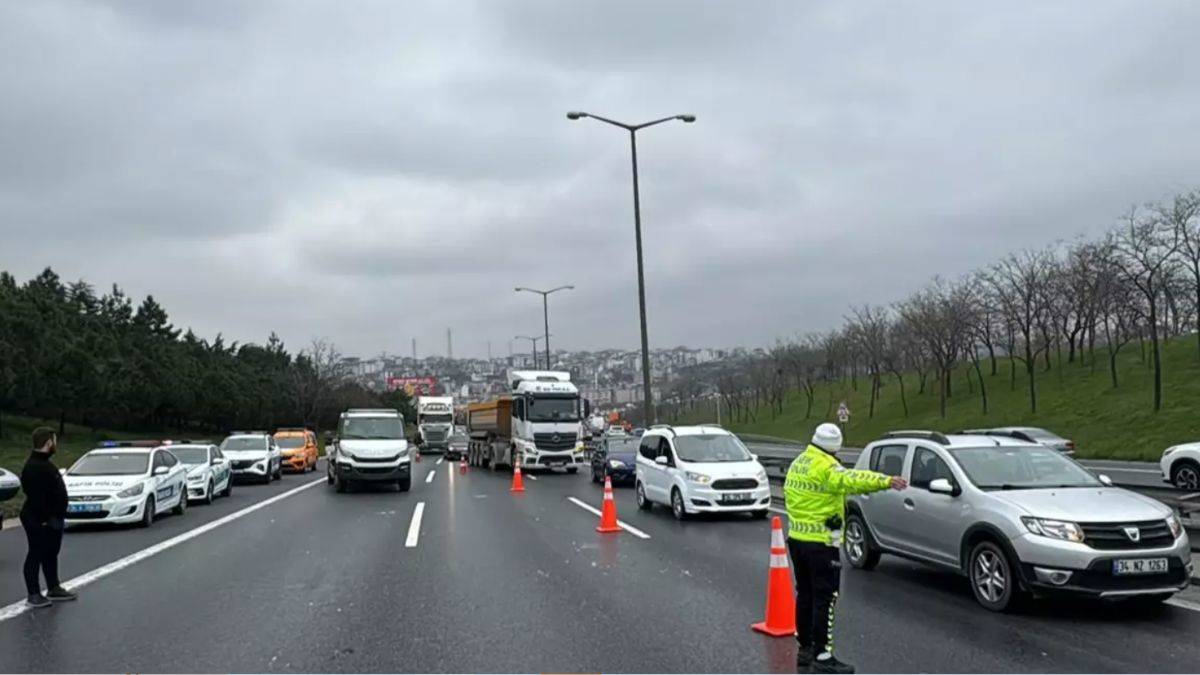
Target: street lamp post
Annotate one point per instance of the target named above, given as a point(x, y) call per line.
point(533, 340)
point(545, 313)
point(647, 402)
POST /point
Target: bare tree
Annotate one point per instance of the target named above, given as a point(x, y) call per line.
point(1144, 249)
point(930, 315)
point(867, 328)
point(1019, 284)
point(1183, 214)
point(318, 374)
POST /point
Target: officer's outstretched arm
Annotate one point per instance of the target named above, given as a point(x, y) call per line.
point(853, 481)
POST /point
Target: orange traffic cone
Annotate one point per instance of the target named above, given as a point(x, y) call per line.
point(518, 484)
point(462, 465)
point(608, 513)
point(418, 454)
point(781, 599)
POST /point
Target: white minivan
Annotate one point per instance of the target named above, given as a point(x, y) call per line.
point(701, 469)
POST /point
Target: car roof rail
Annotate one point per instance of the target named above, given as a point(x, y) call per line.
point(373, 410)
point(252, 432)
point(922, 434)
point(668, 427)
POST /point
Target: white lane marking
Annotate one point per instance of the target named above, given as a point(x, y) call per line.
point(624, 526)
point(530, 476)
point(18, 608)
point(439, 462)
point(429, 478)
point(1184, 604)
point(414, 528)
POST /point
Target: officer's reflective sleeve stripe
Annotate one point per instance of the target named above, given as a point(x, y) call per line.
point(840, 480)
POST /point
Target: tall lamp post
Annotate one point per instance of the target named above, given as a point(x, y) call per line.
point(533, 340)
point(545, 312)
point(647, 402)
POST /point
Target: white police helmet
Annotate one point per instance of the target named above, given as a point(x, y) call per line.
point(828, 437)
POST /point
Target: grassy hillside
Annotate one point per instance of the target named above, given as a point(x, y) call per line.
point(1073, 401)
point(15, 441)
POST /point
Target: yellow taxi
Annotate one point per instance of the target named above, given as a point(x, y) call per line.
point(299, 449)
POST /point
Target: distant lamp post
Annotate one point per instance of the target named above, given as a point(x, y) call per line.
point(532, 340)
point(545, 312)
point(647, 403)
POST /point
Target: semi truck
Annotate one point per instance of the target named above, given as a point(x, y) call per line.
point(538, 423)
point(435, 422)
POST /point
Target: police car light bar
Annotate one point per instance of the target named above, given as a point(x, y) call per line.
point(130, 444)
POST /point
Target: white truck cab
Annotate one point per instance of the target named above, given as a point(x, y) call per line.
point(547, 425)
point(435, 422)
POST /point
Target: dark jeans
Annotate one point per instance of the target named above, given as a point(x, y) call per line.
point(818, 570)
point(44, 544)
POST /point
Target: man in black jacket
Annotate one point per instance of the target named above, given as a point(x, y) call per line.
point(43, 518)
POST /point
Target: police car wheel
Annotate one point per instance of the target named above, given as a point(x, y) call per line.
point(677, 507)
point(208, 493)
point(643, 503)
point(228, 491)
point(147, 513)
point(860, 548)
point(181, 507)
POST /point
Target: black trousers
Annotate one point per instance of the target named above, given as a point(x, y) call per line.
point(44, 544)
point(818, 570)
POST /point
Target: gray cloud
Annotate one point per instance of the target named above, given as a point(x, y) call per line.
point(382, 171)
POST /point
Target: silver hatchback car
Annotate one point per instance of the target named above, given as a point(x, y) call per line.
point(1015, 518)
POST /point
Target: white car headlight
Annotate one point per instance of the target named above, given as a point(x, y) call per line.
point(1175, 525)
point(761, 475)
point(1169, 450)
point(349, 455)
point(1054, 529)
point(616, 464)
point(132, 491)
point(196, 478)
point(698, 478)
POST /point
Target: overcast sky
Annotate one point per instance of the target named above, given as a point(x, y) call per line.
point(374, 172)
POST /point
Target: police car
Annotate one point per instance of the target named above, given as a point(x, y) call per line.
point(125, 482)
point(209, 473)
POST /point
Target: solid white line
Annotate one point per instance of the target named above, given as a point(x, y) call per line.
point(429, 478)
point(18, 608)
point(440, 460)
point(1184, 604)
point(624, 526)
point(414, 528)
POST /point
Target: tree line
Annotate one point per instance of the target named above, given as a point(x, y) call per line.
point(69, 354)
point(1079, 302)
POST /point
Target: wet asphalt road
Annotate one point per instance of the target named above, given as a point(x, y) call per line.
point(497, 582)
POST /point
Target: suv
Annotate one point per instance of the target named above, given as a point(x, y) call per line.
point(370, 447)
point(1016, 519)
point(699, 469)
point(1180, 466)
point(253, 454)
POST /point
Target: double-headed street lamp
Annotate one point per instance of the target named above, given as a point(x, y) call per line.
point(533, 340)
point(545, 313)
point(647, 402)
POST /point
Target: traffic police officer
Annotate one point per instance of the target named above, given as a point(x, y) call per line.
point(815, 491)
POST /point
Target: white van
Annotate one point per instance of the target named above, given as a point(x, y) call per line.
point(701, 469)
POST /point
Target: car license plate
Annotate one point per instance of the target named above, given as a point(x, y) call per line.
point(82, 508)
point(1140, 566)
point(735, 497)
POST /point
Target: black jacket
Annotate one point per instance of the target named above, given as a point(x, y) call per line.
point(45, 492)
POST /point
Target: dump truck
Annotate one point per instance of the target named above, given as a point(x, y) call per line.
point(538, 423)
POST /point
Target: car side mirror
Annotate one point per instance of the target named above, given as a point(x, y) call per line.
point(943, 487)
point(1105, 479)
point(160, 470)
point(662, 461)
point(753, 457)
point(62, 472)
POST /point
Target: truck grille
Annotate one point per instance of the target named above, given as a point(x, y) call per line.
point(1112, 536)
point(735, 484)
point(555, 441)
point(434, 435)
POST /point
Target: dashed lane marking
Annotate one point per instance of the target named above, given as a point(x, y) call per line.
point(429, 478)
point(531, 476)
point(18, 608)
point(440, 459)
point(623, 525)
point(414, 528)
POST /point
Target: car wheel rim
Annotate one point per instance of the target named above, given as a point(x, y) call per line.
point(854, 541)
point(1188, 478)
point(677, 504)
point(641, 495)
point(991, 578)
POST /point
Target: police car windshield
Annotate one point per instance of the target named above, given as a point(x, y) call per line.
point(553, 410)
point(1012, 467)
point(439, 418)
point(190, 455)
point(111, 464)
point(372, 428)
point(290, 442)
point(244, 443)
point(710, 448)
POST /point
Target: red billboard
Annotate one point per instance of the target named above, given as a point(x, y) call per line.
point(414, 386)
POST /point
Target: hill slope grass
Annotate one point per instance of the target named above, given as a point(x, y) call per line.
point(1073, 400)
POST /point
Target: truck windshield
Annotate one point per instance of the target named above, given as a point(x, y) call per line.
point(372, 428)
point(436, 419)
point(553, 410)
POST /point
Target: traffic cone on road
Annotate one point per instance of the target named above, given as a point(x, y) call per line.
point(608, 513)
point(462, 465)
point(418, 453)
point(781, 599)
point(518, 484)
